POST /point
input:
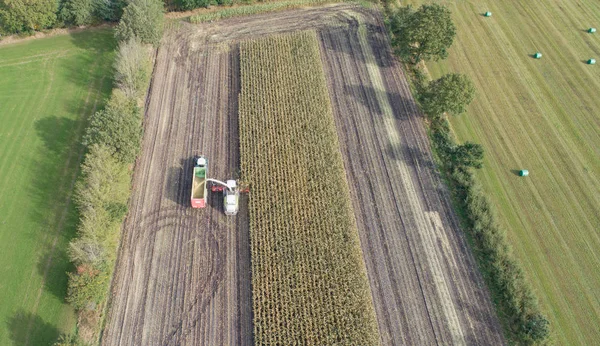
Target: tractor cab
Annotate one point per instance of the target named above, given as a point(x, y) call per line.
point(231, 198)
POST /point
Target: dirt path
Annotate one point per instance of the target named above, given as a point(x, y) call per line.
point(50, 33)
point(183, 275)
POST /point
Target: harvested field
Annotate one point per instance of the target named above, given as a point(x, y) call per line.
point(183, 275)
point(424, 280)
point(309, 281)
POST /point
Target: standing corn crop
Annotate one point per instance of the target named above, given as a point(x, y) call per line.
point(308, 276)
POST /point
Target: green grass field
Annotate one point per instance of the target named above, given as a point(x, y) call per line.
point(544, 116)
point(48, 88)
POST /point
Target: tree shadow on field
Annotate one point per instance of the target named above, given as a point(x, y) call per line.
point(50, 196)
point(53, 172)
point(95, 60)
point(404, 111)
point(97, 40)
point(26, 328)
point(54, 133)
point(345, 40)
point(403, 108)
point(53, 265)
point(411, 155)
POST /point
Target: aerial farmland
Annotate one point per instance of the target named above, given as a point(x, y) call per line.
point(189, 276)
point(299, 172)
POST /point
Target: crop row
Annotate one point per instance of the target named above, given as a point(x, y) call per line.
point(260, 7)
point(308, 276)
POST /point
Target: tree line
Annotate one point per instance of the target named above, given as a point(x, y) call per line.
point(28, 16)
point(426, 34)
point(113, 141)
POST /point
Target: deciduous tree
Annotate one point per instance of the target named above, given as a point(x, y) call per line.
point(87, 287)
point(118, 127)
point(109, 10)
point(132, 68)
point(467, 155)
point(18, 16)
point(537, 327)
point(424, 34)
point(77, 12)
point(142, 19)
point(451, 93)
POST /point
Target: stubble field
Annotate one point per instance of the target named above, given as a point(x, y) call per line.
point(183, 275)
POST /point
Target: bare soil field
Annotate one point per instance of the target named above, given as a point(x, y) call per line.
point(183, 275)
point(424, 281)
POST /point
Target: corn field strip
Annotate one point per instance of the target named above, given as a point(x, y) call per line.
point(258, 8)
point(184, 277)
point(308, 276)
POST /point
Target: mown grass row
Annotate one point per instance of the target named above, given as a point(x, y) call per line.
point(308, 276)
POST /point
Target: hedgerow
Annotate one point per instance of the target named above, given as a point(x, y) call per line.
point(511, 292)
point(76, 12)
point(27, 16)
point(113, 140)
point(117, 127)
point(22, 16)
point(132, 69)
